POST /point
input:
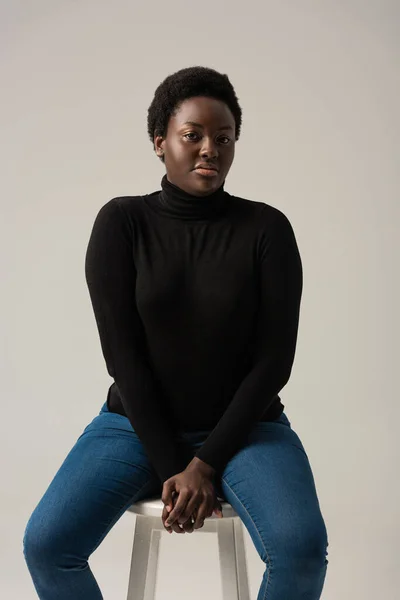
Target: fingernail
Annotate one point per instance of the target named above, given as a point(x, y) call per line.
point(168, 508)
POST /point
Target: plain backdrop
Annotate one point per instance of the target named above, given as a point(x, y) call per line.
point(318, 82)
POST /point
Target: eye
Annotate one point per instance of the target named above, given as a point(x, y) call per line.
point(224, 139)
point(190, 133)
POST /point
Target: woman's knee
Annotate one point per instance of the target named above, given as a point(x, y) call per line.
point(305, 545)
point(42, 543)
point(295, 541)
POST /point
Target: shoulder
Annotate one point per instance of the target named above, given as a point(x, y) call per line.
point(274, 231)
point(120, 210)
point(122, 204)
point(117, 217)
point(267, 216)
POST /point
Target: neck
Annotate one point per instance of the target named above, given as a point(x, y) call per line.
point(176, 203)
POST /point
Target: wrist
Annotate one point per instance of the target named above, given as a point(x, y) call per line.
point(196, 464)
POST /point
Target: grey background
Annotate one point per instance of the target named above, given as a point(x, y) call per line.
point(319, 86)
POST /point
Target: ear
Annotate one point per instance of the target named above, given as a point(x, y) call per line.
point(159, 145)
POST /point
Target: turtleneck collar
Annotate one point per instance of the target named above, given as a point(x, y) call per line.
point(174, 202)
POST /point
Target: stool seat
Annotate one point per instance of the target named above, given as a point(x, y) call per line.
point(146, 541)
point(153, 507)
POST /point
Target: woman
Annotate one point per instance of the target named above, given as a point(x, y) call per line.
point(196, 295)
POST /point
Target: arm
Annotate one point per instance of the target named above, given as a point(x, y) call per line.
point(281, 282)
point(111, 279)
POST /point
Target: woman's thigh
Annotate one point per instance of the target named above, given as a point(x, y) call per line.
point(106, 470)
point(270, 484)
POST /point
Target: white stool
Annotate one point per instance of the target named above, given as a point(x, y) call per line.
point(232, 554)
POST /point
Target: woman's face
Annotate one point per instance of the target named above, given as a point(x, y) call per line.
point(201, 132)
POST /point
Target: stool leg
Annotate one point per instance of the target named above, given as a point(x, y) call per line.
point(227, 559)
point(143, 573)
point(232, 558)
point(241, 561)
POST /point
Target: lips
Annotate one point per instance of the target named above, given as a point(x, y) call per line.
point(206, 172)
point(206, 167)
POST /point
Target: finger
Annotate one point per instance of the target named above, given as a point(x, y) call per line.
point(175, 527)
point(167, 495)
point(201, 515)
point(191, 507)
point(188, 526)
point(198, 524)
point(218, 509)
point(179, 507)
point(170, 506)
point(164, 517)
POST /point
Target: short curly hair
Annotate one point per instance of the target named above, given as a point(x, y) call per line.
point(188, 83)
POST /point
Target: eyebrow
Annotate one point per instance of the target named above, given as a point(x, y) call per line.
point(201, 126)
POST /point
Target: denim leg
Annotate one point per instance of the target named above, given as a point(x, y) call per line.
point(270, 484)
point(106, 470)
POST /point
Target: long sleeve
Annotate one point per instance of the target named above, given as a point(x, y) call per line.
point(281, 282)
point(111, 278)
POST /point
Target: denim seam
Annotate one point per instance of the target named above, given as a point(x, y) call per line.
point(261, 540)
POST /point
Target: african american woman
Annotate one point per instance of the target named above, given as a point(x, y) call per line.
point(196, 296)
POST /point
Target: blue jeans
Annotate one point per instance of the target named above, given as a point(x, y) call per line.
point(269, 483)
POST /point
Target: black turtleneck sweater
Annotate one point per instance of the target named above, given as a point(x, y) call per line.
point(197, 303)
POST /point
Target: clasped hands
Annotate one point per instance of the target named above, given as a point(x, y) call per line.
point(189, 498)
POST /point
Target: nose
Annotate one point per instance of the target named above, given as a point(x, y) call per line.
point(209, 148)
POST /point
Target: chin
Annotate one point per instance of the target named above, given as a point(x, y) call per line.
point(207, 186)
